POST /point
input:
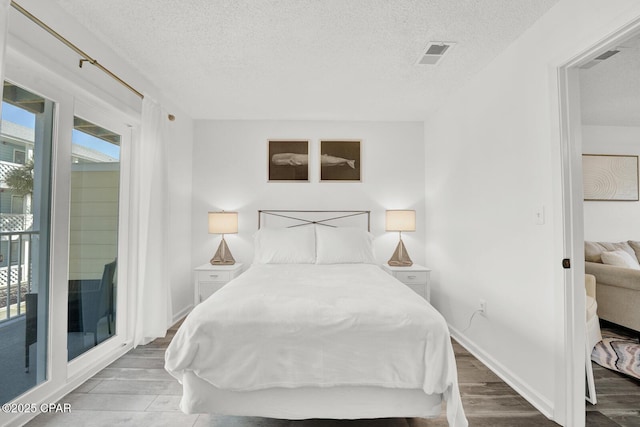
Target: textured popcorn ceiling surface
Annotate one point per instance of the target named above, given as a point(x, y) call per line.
point(306, 59)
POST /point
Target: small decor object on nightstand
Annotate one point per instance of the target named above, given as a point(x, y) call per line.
point(400, 220)
point(223, 223)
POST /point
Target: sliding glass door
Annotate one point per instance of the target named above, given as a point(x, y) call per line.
point(64, 209)
point(93, 236)
point(25, 211)
point(63, 294)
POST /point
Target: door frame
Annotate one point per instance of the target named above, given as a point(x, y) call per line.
point(573, 387)
point(103, 117)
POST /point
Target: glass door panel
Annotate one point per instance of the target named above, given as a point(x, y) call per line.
point(25, 202)
point(93, 236)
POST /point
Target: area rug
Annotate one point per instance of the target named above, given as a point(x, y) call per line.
point(618, 353)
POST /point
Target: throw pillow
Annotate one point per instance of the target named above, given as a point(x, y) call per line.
point(593, 250)
point(620, 258)
point(636, 247)
point(285, 246)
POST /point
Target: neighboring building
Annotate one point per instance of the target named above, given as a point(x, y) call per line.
point(16, 148)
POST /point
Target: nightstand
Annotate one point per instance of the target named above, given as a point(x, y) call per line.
point(210, 278)
point(416, 277)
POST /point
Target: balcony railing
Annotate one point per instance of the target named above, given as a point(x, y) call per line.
point(15, 272)
point(6, 167)
point(15, 222)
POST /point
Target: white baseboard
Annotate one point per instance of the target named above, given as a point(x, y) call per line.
point(541, 403)
point(182, 313)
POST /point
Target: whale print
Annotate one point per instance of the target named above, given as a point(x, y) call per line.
point(327, 160)
point(293, 159)
point(340, 160)
point(290, 159)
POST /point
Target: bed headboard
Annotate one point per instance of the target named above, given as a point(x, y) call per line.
point(298, 218)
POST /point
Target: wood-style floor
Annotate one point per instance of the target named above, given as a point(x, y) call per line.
point(136, 391)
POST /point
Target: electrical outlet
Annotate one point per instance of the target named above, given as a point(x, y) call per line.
point(483, 307)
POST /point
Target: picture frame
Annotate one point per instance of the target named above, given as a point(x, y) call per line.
point(610, 177)
point(340, 160)
point(288, 160)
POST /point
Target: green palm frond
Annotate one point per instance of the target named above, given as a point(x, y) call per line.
point(20, 180)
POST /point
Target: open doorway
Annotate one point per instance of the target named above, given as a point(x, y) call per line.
point(610, 129)
point(601, 115)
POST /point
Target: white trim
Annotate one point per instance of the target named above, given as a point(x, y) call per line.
point(542, 404)
point(4, 35)
point(573, 336)
point(181, 314)
point(56, 368)
point(105, 119)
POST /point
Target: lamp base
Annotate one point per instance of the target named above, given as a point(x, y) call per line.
point(223, 255)
point(400, 257)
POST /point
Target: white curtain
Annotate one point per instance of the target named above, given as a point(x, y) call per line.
point(149, 234)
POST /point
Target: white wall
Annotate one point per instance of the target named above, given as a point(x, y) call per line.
point(230, 173)
point(180, 153)
point(492, 161)
point(611, 221)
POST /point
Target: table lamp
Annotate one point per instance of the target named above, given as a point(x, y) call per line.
point(400, 220)
point(223, 223)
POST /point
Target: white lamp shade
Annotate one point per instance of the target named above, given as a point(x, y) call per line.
point(223, 222)
point(401, 220)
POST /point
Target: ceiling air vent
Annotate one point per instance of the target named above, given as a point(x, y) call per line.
point(598, 59)
point(434, 52)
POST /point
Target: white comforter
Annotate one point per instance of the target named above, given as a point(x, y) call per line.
point(318, 325)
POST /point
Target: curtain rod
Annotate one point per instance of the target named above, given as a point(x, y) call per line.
point(85, 56)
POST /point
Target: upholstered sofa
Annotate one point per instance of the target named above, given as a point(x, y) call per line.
point(617, 282)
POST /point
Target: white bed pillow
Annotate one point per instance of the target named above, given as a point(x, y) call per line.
point(343, 245)
point(285, 246)
point(620, 258)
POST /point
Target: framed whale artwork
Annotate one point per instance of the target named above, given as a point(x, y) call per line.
point(288, 160)
point(340, 160)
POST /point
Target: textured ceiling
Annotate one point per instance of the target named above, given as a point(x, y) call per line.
point(306, 59)
point(610, 91)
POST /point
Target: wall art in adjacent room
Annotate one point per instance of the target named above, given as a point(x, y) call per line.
point(610, 177)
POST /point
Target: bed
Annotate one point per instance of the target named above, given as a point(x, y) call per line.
point(316, 329)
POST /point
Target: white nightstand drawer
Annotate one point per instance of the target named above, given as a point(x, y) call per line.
point(412, 277)
point(209, 288)
point(420, 289)
point(210, 278)
point(214, 276)
point(416, 277)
